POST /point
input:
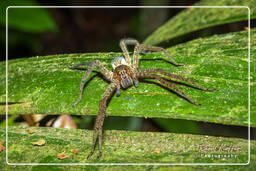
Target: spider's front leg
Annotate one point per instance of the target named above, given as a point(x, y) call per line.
point(91, 66)
point(139, 47)
point(123, 44)
point(97, 132)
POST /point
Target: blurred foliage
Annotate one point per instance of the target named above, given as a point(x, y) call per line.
point(11, 121)
point(177, 125)
point(31, 20)
point(24, 26)
point(192, 19)
point(116, 123)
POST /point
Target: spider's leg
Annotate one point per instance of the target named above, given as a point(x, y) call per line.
point(96, 65)
point(97, 133)
point(138, 48)
point(123, 45)
point(100, 143)
point(84, 78)
point(136, 82)
point(91, 66)
point(81, 64)
point(169, 85)
point(177, 77)
point(179, 91)
point(94, 143)
point(118, 90)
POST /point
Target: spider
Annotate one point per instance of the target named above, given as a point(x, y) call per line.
point(126, 74)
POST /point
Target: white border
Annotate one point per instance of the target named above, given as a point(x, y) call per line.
point(248, 162)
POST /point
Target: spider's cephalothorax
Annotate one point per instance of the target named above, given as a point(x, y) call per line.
point(125, 74)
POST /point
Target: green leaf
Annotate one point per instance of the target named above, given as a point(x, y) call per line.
point(192, 19)
point(122, 147)
point(177, 125)
point(45, 85)
point(33, 20)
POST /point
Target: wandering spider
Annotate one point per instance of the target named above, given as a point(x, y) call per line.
point(125, 74)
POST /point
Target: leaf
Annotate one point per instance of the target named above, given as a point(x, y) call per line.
point(30, 131)
point(2, 147)
point(26, 19)
point(40, 142)
point(125, 147)
point(75, 151)
point(62, 156)
point(45, 85)
point(192, 19)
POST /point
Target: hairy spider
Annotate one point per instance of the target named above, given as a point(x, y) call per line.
point(126, 74)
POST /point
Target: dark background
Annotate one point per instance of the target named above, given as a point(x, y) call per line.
point(85, 30)
point(81, 30)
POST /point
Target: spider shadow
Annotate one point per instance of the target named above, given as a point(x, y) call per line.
point(160, 59)
point(187, 85)
point(167, 88)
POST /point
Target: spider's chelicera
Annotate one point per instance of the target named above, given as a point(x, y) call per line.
point(126, 74)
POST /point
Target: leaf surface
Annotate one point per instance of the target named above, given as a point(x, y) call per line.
point(45, 85)
point(123, 147)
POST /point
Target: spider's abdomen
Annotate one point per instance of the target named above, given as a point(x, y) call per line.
point(117, 61)
point(124, 76)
